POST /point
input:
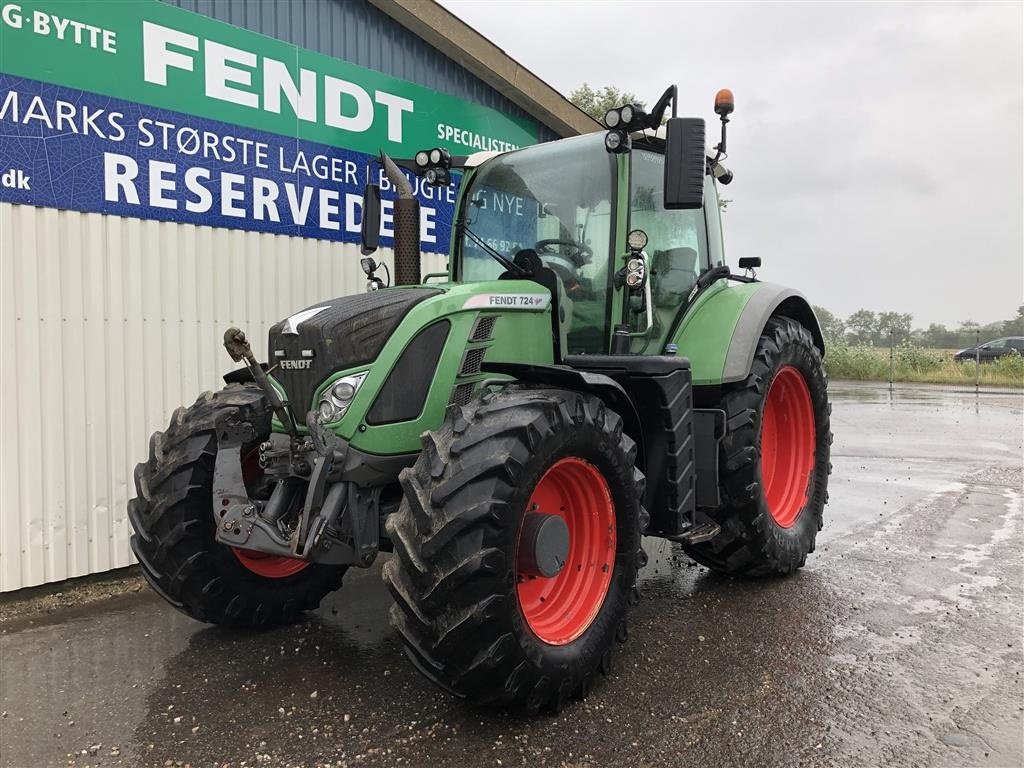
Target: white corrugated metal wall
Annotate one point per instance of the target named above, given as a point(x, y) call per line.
point(108, 324)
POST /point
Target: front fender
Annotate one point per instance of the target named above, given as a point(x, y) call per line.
point(720, 332)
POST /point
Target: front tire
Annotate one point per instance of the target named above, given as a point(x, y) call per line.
point(172, 516)
point(472, 619)
point(774, 460)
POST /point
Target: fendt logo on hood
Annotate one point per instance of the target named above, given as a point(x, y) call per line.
point(295, 365)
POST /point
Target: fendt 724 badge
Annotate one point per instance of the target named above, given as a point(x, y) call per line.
point(509, 461)
point(509, 301)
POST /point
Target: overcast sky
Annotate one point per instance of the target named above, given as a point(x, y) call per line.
point(877, 147)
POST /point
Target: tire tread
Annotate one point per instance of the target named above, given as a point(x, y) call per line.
point(448, 576)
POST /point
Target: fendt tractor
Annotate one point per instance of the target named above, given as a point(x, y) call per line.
point(587, 372)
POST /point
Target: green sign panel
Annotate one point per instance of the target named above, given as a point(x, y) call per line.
point(146, 52)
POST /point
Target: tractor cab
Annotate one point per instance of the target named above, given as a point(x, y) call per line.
point(573, 203)
point(620, 227)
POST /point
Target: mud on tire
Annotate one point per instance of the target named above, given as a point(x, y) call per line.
point(752, 542)
point(174, 528)
point(454, 575)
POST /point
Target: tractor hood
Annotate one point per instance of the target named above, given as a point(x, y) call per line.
point(307, 347)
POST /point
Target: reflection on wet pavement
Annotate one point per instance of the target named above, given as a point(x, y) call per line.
point(899, 643)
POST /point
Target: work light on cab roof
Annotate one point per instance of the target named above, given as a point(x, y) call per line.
point(434, 165)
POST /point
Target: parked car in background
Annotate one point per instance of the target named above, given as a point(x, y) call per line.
point(990, 350)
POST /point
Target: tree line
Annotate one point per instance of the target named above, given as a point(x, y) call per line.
point(596, 101)
point(878, 328)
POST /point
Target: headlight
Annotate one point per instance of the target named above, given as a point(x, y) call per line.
point(343, 391)
point(335, 400)
point(328, 412)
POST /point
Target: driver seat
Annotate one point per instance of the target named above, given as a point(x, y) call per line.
point(674, 273)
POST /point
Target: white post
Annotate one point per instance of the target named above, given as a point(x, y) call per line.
point(977, 360)
point(891, 356)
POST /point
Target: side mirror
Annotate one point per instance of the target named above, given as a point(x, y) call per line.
point(685, 163)
point(369, 233)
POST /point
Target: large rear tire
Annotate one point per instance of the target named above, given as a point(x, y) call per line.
point(774, 459)
point(473, 619)
point(174, 528)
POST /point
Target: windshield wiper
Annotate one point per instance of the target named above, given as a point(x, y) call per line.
point(499, 257)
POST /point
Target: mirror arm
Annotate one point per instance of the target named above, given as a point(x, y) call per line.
point(658, 112)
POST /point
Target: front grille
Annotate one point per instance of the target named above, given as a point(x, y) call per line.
point(462, 394)
point(471, 362)
point(483, 328)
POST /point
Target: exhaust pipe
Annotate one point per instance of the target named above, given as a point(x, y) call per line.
point(407, 225)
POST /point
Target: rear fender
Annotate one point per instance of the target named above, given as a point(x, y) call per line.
point(720, 331)
point(770, 301)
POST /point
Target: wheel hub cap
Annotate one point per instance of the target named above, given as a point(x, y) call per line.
point(543, 545)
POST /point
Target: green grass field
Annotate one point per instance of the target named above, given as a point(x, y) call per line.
point(918, 364)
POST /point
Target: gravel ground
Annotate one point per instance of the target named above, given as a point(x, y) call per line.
point(898, 644)
point(27, 605)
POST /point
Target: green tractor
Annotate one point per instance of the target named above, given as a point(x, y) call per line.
point(587, 372)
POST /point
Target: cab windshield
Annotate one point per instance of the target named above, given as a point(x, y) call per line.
point(555, 199)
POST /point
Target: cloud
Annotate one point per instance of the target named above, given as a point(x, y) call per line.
point(878, 148)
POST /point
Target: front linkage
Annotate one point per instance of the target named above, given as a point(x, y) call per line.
point(332, 521)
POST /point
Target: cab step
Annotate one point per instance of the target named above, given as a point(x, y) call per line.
point(697, 535)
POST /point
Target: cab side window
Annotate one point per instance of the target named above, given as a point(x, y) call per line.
point(677, 239)
point(713, 217)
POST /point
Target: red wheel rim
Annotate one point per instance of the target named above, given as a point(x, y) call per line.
point(787, 445)
point(561, 608)
point(260, 563)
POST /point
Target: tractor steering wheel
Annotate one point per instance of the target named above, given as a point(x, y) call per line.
point(581, 253)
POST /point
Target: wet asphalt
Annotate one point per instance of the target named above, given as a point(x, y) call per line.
point(898, 644)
